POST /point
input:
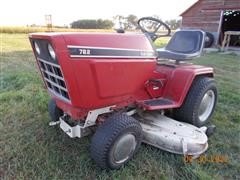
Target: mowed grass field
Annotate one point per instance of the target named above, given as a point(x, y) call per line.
point(29, 29)
point(30, 149)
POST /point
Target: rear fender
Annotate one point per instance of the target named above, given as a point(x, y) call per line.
point(180, 79)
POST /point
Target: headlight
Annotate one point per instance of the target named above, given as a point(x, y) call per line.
point(37, 48)
point(51, 51)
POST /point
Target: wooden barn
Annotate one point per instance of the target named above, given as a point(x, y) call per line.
point(215, 16)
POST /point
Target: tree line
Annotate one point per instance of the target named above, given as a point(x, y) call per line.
point(92, 24)
point(124, 22)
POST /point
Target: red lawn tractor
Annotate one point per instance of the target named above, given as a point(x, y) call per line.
point(124, 91)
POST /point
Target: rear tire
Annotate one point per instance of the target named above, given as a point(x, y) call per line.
point(116, 141)
point(209, 39)
point(199, 103)
point(54, 111)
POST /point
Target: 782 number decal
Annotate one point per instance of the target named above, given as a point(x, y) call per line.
point(84, 51)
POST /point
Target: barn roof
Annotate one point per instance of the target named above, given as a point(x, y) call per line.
point(195, 4)
point(231, 5)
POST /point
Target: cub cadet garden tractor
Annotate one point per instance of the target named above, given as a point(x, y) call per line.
point(125, 91)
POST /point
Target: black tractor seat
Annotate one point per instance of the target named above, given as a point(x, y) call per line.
point(184, 45)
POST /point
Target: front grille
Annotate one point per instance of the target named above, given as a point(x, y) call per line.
point(54, 79)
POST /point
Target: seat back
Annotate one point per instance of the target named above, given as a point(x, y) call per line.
point(187, 42)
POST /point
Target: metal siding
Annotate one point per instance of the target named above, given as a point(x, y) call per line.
point(205, 14)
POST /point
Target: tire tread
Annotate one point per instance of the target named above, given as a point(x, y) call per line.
point(107, 133)
point(189, 109)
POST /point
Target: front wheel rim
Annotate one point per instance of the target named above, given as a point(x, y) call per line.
point(206, 105)
point(123, 148)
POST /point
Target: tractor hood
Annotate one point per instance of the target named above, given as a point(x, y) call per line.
point(103, 45)
point(109, 45)
point(92, 70)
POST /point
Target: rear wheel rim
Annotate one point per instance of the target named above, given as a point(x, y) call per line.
point(206, 105)
point(123, 148)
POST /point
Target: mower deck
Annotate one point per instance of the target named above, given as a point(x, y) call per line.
point(173, 136)
point(159, 131)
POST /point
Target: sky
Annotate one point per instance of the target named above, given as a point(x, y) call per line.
point(27, 12)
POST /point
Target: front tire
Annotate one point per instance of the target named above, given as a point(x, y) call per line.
point(116, 141)
point(200, 102)
point(54, 111)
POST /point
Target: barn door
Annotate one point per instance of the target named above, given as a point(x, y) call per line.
point(230, 22)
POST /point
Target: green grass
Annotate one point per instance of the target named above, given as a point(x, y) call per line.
point(30, 149)
point(25, 29)
point(161, 42)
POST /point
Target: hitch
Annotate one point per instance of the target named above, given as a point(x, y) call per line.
point(54, 123)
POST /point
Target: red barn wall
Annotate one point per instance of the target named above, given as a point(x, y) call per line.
point(206, 14)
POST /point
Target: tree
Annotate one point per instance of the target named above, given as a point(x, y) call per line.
point(92, 24)
point(132, 21)
point(173, 24)
point(128, 22)
point(119, 21)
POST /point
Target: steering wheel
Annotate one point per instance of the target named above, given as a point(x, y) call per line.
point(154, 27)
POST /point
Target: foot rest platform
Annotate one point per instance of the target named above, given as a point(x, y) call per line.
point(154, 104)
